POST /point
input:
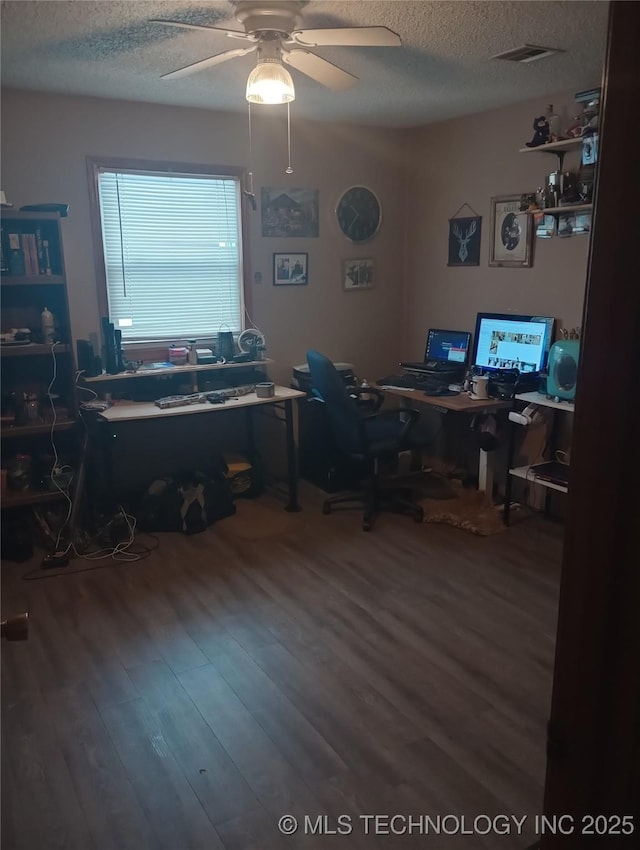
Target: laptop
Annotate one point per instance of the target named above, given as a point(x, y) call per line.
point(445, 351)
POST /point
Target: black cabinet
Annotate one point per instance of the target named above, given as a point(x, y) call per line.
point(321, 462)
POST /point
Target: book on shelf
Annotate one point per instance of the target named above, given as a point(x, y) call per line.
point(16, 258)
point(40, 251)
point(30, 253)
point(26, 254)
point(4, 255)
point(46, 257)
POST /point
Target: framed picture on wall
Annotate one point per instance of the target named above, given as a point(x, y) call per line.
point(358, 274)
point(545, 225)
point(290, 212)
point(464, 241)
point(511, 233)
point(290, 269)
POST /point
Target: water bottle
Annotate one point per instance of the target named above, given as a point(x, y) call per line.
point(554, 124)
point(47, 326)
point(192, 355)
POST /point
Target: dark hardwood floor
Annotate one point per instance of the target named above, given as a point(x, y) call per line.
point(283, 664)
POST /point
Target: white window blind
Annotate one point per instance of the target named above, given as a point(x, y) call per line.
point(173, 254)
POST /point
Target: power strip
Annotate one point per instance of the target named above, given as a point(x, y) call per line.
point(179, 400)
point(236, 392)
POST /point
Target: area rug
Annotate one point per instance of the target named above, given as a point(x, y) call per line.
point(447, 501)
point(257, 519)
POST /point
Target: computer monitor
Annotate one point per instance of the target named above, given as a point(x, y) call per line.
point(503, 341)
point(447, 347)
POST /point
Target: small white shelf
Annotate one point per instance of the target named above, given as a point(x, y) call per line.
point(175, 370)
point(555, 147)
point(528, 473)
point(544, 401)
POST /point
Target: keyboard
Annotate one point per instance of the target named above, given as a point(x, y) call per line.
point(413, 382)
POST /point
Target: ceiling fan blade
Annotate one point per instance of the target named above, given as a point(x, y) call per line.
point(319, 69)
point(208, 63)
point(347, 37)
point(230, 33)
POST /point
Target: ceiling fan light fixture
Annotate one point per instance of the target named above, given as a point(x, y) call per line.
point(270, 83)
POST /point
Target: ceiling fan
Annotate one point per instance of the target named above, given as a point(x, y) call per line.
point(273, 30)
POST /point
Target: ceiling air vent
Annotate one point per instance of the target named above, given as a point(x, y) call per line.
point(527, 53)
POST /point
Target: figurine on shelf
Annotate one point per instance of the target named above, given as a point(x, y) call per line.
point(585, 124)
point(529, 202)
point(541, 135)
point(574, 333)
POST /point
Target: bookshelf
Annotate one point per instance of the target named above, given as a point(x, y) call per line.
point(38, 375)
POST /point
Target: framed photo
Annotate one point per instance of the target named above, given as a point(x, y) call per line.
point(511, 233)
point(358, 274)
point(574, 224)
point(545, 225)
point(290, 212)
point(464, 241)
point(590, 149)
point(290, 269)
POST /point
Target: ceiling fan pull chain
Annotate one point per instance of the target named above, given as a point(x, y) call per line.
point(288, 169)
point(248, 192)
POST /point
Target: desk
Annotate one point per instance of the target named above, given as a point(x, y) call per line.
point(135, 411)
point(458, 404)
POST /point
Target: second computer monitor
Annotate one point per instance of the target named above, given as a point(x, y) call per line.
point(447, 346)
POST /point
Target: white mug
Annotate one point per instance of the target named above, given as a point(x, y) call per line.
point(479, 387)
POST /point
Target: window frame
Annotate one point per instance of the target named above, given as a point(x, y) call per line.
point(94, 164)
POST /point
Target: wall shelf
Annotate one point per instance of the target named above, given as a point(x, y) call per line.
point(175, 370)
point(558, 148)
point(555, 147)
point(565, 210)
point(32, 348)
point(30, 280)
point(43, 428)
point(20, 498)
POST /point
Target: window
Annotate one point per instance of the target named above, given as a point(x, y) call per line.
point(172, 252)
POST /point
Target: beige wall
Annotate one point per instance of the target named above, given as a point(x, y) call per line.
point(46, 138)
point(469, 160)
point(422, 176)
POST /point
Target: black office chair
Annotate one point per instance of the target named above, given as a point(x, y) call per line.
point(367, 439)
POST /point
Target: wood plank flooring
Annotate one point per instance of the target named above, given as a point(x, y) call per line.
point(296, 666)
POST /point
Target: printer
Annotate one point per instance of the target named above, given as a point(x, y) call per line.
point(301, 378)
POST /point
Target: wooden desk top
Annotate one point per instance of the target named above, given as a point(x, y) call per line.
point(129, 411)
point(460, 403)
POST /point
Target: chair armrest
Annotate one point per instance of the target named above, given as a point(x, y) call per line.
point(370, 391)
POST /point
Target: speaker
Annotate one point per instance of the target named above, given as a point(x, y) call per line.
point(88, 363)
point(563, 369)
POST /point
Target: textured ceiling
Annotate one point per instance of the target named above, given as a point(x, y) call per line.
point(443, 69)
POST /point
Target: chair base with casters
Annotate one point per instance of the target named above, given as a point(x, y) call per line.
point(365, 438)
point(376, 496)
